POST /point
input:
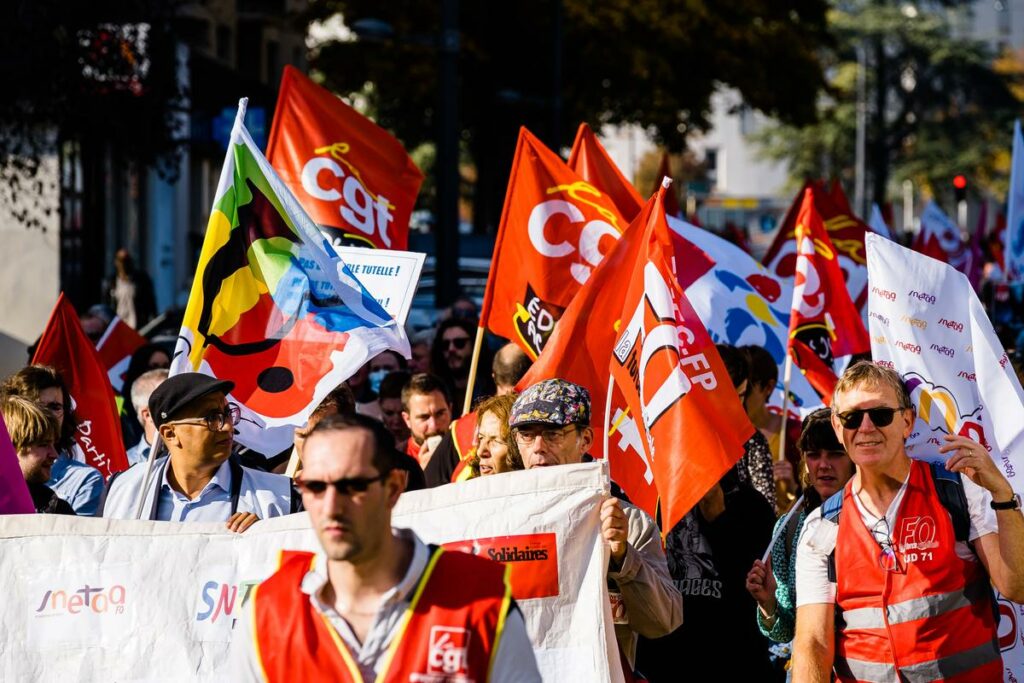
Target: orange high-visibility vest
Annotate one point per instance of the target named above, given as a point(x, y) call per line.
point(449, 632)
point(932, 618)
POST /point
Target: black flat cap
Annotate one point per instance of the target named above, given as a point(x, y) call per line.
point(178, 391)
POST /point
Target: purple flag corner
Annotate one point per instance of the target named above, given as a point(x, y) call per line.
point(14, 495)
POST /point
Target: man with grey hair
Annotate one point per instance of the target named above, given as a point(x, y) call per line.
point(141, 390)
point(897, 587)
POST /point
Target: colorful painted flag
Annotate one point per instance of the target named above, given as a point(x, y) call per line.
point(352, 176)
point(590, 160)
point(822, 316)
point(273, 308)
point(846, 232)
point(115, 349)
point(1013, 253)
point(579, 350)
point(555, 229)
point(878, 224)
point(740, 303)
point(65, 347)
point(693, 426)
point(14, 496)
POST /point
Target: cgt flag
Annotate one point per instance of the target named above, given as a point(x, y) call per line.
point(590, 160)
point(273, 308)
point(928, 324)
point(65, 347)
point(352, 176)
point(845, 231)
point(693, 426)
point(555, 229)
point(822, 319)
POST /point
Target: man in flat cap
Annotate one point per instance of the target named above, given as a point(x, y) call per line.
point(550, 422)
point(198, 480)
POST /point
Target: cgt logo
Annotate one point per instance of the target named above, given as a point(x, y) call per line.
point(85, 600)
point(449, 652)
point(220, 599)
point(1006, 629)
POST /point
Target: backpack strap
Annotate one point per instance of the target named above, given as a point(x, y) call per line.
point(950, 488)
point(830, 510)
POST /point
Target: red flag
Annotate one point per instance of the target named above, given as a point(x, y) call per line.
point(822, 316)
point(555, 229)
point(839, 198)
point(14, 496)
point(65, 347)
point(350, 175)
point(927, 243)
point(845, 231)
point(579, 350)
point(590, 160)
point(694, 426)
point(820, 376)
point(115, 349)
point(671, 202)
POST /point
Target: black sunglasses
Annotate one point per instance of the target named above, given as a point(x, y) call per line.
point(880, 417)
point(344, 487)
point(459, 342)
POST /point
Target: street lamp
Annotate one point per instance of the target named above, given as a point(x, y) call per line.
point(446, 247)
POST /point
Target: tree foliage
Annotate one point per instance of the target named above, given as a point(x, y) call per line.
point(97, 70)
point(936, 104)
point(621, 61)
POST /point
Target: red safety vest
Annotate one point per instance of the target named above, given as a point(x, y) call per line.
point(931, 619)
point(449, 632)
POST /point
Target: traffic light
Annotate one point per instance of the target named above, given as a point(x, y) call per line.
point(960, 188)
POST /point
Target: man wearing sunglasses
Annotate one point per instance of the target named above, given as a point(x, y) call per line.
point(550, 422)
point(897, 587)
point(377, 603)
point(199, 480)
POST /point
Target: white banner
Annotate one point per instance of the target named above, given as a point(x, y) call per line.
point(390, 276)
point(89, 599)
point(927, 324)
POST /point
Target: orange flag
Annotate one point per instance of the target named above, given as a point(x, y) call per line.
point(671, 202)
point(845, 230)
point(665, 363)
point(590, 160)
point(65, 347)
point(579, 350)
point(822, 317)
point(555, 229)
point(351, 176)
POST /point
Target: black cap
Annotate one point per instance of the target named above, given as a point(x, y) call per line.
point(178, 391)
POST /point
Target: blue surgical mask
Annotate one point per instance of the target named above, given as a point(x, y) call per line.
point(375, 378)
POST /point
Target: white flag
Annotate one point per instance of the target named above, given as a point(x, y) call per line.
point(927, 323)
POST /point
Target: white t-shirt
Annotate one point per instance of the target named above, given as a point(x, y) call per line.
point(818, 540)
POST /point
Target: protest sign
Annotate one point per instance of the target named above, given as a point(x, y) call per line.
point(389, 276)
point(96, 599)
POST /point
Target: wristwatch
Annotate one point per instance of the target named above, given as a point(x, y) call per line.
point(1012, 504)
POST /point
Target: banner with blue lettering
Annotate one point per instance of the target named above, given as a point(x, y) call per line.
point(89, 599)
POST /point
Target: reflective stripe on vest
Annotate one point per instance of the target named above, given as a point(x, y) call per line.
point(931, 618)
point(934, 670)
point(451, 627)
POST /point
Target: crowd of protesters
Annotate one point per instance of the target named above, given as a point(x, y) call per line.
point(398, 425)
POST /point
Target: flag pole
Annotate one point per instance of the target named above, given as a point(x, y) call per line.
point(477, 345)
point(293, 464)
point(787, 375)
point(149, 473)
point(608, 412)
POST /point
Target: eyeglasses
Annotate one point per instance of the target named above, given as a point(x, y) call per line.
point(552, 437)
point(53, 406)
point(888, 560)
point(459, 343)
point(487, 441)
point(215, 421)
point(880, 417)
point(344, 487)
